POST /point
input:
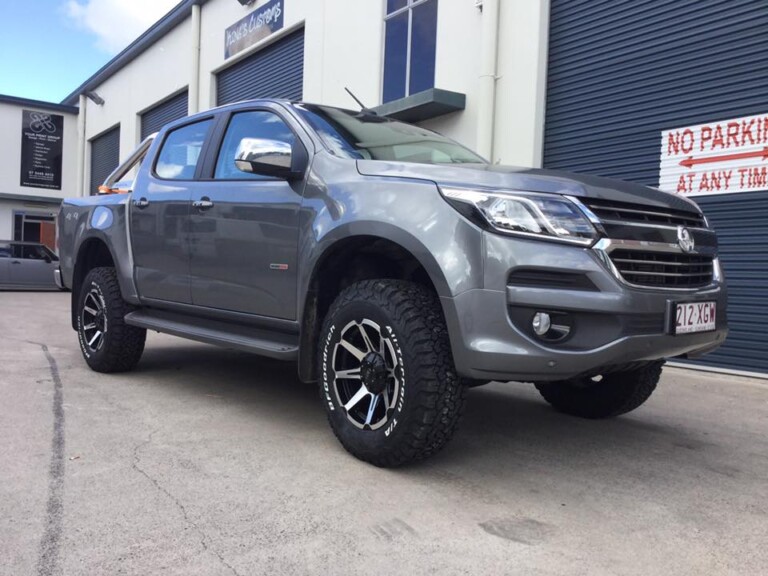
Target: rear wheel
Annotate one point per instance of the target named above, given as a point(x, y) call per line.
point(387, 376)
point(108, 344)
point(611, 395)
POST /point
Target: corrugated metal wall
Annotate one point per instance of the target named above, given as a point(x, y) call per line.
point(172, 109)
point(105, 157)
point(277, 71)
point(741, 222)
point(621, 71)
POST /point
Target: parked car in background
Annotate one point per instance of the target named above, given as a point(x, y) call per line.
point(27, 266)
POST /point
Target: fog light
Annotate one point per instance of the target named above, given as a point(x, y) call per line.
point(541, 323)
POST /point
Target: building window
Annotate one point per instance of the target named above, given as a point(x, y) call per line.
point(409, 47)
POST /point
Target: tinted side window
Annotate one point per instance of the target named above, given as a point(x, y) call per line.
point(5, 251)
point(181, 151)
point(257, 124)
point(32, 253)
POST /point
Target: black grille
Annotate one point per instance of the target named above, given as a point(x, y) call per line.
point(637, 213)
point(550, 279)
point(662, 269)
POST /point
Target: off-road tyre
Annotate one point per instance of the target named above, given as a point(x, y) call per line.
point(120, 346)
point(424, 412)
point(615, 394)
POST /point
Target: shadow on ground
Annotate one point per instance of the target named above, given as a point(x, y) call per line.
point(503, 424)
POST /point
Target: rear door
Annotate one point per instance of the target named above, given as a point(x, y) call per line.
point(160, 214)
point(244, 241)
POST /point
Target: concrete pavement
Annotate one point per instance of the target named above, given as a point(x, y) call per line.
point(208, 461)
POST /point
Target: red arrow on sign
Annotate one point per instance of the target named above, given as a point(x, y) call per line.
point(691, 161)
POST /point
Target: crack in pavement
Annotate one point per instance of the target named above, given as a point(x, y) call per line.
point(48, 559)
point(204, 538)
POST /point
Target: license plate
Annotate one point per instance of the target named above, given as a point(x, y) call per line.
point(694, 317)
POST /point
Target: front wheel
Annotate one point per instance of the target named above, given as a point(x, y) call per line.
point(611, 395)
point(108, 344)
point(387, 377)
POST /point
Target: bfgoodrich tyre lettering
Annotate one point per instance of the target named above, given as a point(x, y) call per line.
point(388, 382)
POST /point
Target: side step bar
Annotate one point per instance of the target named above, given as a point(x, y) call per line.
point(234, 336)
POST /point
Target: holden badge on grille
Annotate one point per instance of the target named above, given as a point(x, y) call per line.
point(685, 240)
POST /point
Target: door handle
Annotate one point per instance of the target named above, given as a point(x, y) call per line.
point(141, 203)
point(15, 262)
point(203, 204)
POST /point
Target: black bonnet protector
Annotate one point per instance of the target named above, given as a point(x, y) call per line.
point(527, 179)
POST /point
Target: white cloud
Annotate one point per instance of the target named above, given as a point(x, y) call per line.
point(116, 23)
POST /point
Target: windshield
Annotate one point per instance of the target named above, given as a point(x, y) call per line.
point(361, 136)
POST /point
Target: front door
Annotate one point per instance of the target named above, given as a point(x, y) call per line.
point(244, 228)
point(30, 265)
point(160, 216)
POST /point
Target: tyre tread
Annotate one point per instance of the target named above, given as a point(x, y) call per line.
point(441, 395)
point(616, 394)
point(125, 346)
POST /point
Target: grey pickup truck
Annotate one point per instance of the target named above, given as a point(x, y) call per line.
point(394, 266)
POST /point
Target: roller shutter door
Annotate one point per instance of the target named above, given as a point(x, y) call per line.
point(620, 72)
point(105, 157)
point(741, 222)
point(172, 109)
point(277, 71)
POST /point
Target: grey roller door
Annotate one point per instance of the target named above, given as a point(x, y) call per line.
point(105, 157)
point(620, 72)
point(277, 71)
point(172, 109)
point(741, 221)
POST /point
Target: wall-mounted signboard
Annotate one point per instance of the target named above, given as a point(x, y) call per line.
point(258, 25)
point(42, 142)
point(716, 158)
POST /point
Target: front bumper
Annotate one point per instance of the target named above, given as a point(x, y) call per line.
point(612, 324)
point(57, 278)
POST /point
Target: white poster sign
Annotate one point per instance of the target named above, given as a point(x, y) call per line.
point(715, 158)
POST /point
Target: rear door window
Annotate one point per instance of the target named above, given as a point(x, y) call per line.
point(181, 151)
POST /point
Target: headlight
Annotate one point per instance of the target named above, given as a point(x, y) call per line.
point(542, 216)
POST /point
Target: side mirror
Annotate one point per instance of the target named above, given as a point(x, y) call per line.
point(266, 157)
point(47, 259)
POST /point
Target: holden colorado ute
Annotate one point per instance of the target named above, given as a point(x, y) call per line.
point(395, 267)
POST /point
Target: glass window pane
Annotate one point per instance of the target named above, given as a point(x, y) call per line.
point(423, 47)
point(395, 57)
point(258, 125)
point(181, 151)
point(393, 5)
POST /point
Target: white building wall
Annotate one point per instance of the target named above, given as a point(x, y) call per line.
point(458, 54)
point(344, 47)
point(520, 89)
point(10, 168)
point(157, 74)
point(10, 207)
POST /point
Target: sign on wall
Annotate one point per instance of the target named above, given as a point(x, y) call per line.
point(253, 28)
point(42, 142)
point(715, 158)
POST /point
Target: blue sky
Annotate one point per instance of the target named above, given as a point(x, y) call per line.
point(49, 47)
